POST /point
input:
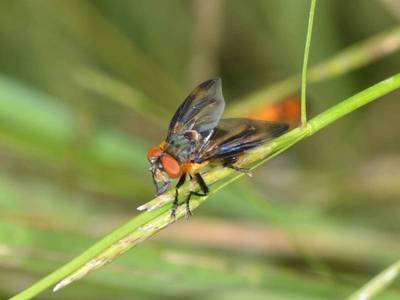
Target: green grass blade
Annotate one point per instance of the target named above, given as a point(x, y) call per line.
point(151, 221)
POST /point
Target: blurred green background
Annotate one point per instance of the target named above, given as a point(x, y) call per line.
point(86, 87)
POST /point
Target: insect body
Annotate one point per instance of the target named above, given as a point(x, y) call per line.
point(197, 137)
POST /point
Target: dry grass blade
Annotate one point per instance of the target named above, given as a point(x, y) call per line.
point(377, 284)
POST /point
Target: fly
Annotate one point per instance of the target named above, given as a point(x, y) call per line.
point(198, 137)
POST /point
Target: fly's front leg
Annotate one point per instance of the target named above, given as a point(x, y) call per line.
point(181, 181)
point(204, 188)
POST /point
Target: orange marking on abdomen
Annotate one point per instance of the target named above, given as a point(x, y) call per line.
point(193, 167)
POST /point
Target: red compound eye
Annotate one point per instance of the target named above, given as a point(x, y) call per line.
point(154, 153)
point(171, 166)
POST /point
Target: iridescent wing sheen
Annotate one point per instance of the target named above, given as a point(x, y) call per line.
point(200, 112)
point(235, 136)
point(194, 122)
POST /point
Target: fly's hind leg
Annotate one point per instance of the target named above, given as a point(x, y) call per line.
point(229, 163)
point(175, 204)
point(204, 188)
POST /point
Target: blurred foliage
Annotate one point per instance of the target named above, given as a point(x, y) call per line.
point(87, 86)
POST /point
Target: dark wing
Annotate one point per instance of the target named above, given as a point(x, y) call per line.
point(235, 136)
point(200, 112)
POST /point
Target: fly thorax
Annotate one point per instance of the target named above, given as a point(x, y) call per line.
point(182, 147)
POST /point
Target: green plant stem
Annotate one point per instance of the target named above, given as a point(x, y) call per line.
point(378, 283)
point(347, 60)
point(305, 63)
point(153, 220)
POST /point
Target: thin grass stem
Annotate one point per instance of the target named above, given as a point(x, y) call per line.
point(305, 63)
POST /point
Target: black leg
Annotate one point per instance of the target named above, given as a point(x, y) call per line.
point(204, 188)
point(181, 181)
point(202, 184)
point(229, 163)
